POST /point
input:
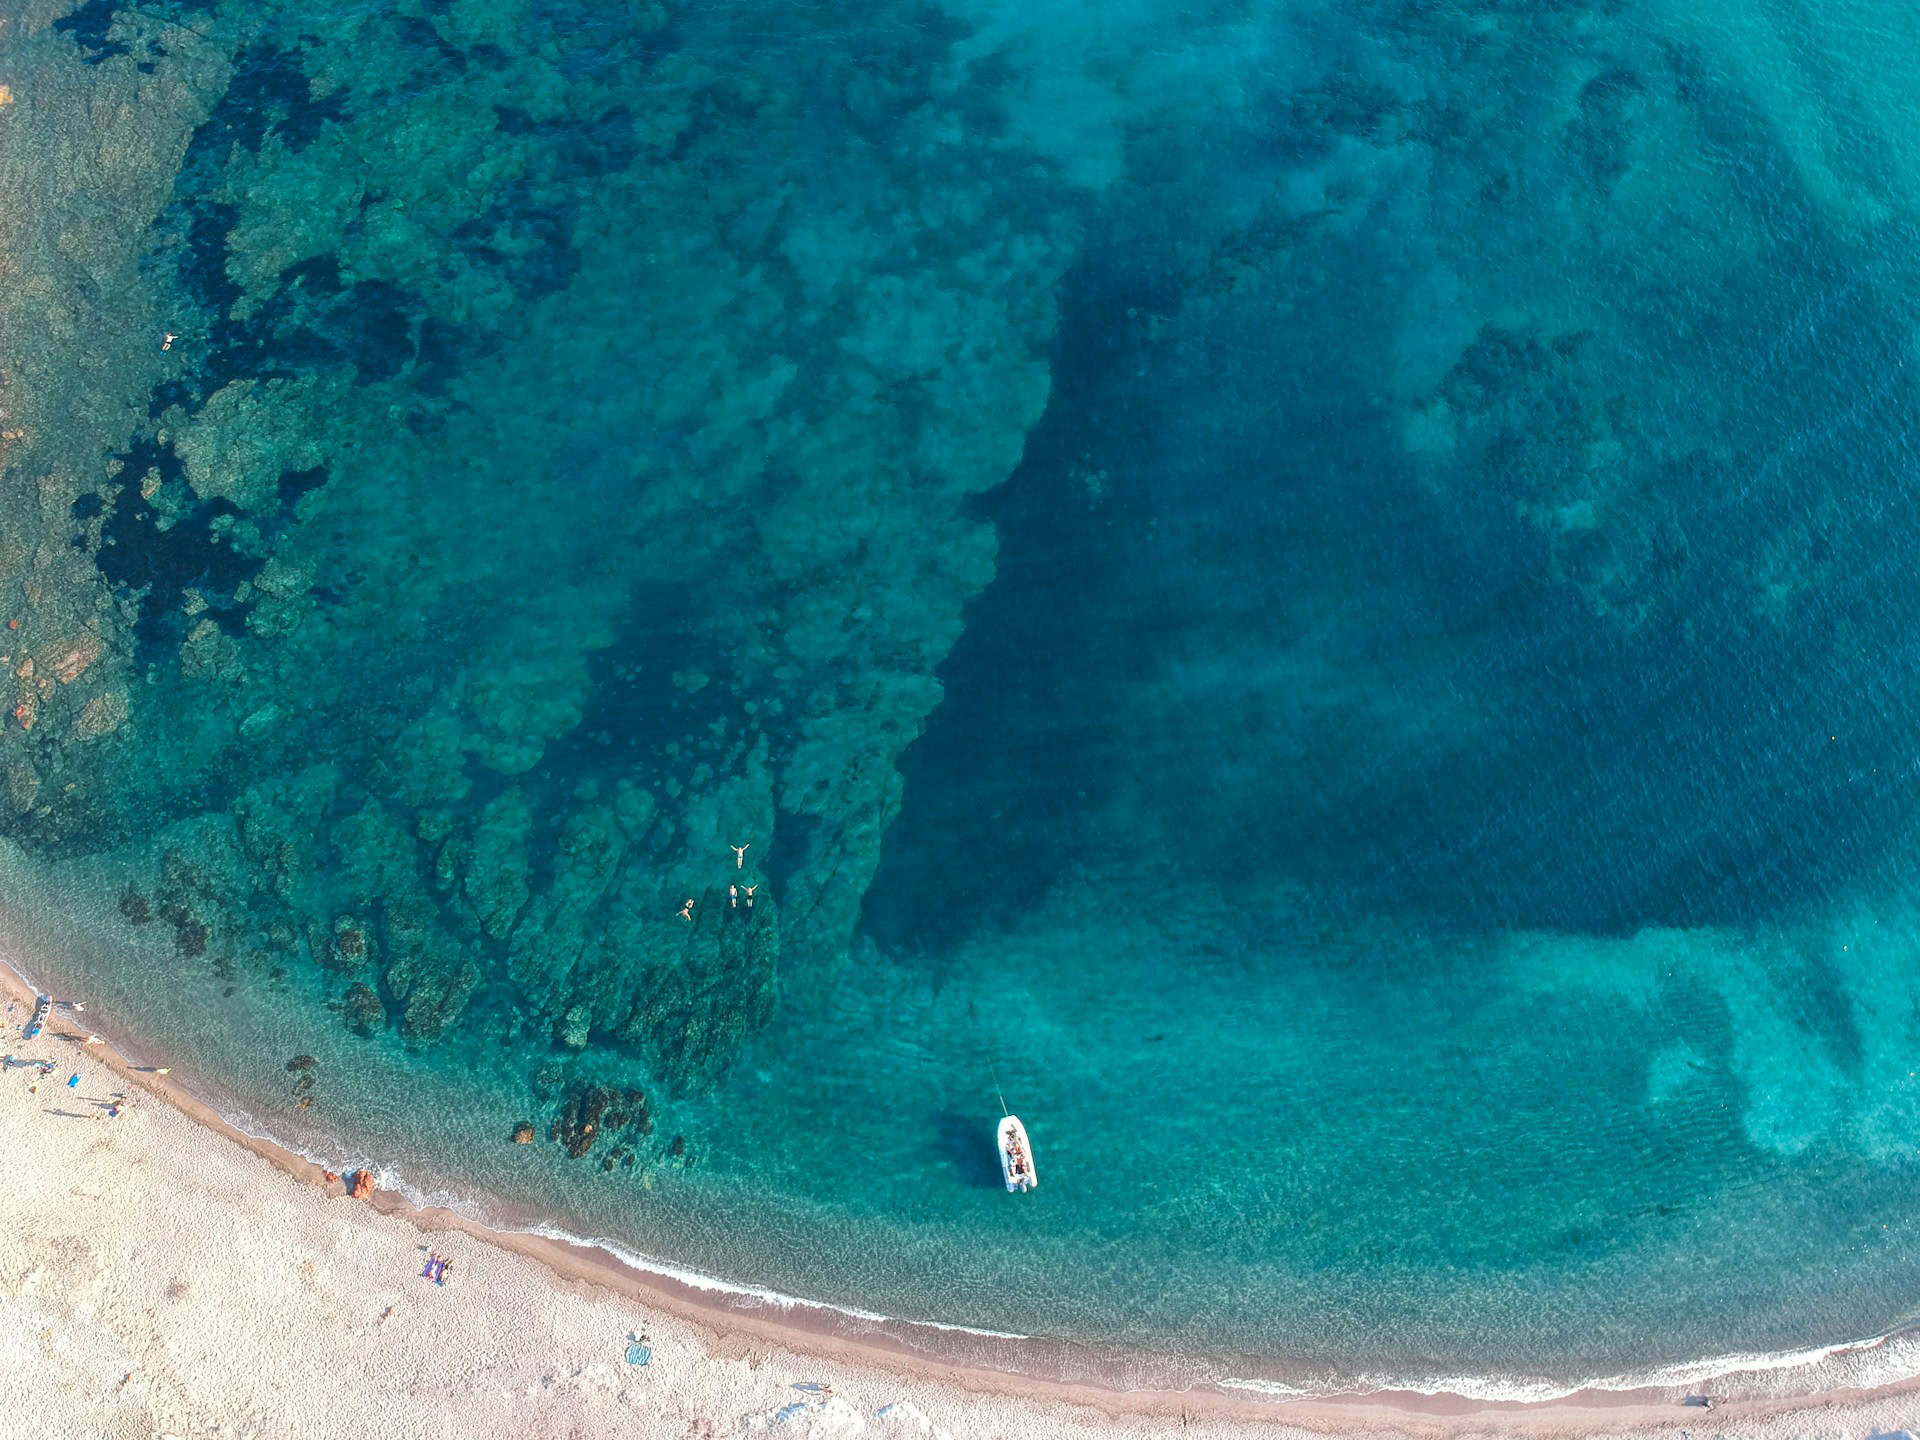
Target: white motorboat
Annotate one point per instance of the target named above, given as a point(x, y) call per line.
point(1016, 1155)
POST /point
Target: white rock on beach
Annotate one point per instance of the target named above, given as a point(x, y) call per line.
point(833, 1419)
point(905, 1419)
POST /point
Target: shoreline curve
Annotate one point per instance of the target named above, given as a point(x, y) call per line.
point(1747, 1386)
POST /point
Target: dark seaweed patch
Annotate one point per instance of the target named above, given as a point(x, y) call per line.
point(1602, 134)
point(441, 350)
point(634, 701)
point(89, 26)
point(270, 94)
point(422, 35)
point(884, 70)
point(295, 483)
point(634, 710)
point(531, 248)
point(166, 395)
point(203, 270)
point(317, 318)
point(311, 321)
point(375, 328)
point(138, 555)
point(527, 233)
point(317, 276)
point(574, 149)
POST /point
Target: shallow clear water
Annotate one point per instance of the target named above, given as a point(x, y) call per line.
point(1318, 594)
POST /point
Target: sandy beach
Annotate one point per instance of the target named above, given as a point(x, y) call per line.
point(166, 1276)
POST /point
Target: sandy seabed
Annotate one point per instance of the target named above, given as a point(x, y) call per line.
point(163, 1275)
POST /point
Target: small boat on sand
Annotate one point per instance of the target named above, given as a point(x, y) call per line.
point(42, 1007)
point(1016, 1155)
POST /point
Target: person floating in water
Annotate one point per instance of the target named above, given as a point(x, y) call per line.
point(740, 855)
point(686, 910)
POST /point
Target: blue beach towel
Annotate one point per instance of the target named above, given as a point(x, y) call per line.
point(639, 1354)
point(73, 1080)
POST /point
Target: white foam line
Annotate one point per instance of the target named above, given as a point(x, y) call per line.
point(1494, 1387)
point(699, 1281)
point(22, 976)
point(464, 1206)
point(1273, 1387)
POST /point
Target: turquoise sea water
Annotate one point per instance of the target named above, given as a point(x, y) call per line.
point(1321, 594)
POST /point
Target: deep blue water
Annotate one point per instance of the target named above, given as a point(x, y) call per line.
point(1320, 594)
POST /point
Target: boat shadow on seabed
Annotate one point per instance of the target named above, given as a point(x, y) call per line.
point(957, 1137)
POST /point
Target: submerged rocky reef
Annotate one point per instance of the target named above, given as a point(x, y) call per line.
point(466, 467)
point(529, 455)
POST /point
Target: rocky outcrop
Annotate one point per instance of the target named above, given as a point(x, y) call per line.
point(362, 1009)
point(594, 1112)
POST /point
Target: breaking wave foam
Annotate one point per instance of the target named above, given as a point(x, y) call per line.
point(1896, 1357)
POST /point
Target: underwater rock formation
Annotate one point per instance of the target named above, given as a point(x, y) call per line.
point(593, 1112)
point(350, 948)
point(475, 568)
point(96, 148)
point(362, 1009)
point(579, 1123)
